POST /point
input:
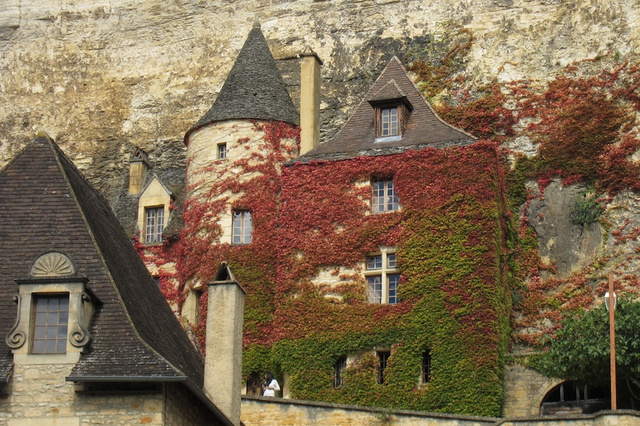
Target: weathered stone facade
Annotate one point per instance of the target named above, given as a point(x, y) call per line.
point(38, 395)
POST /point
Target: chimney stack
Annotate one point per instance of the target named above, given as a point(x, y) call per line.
point(309, 100)
point(138, 166)
point(223, 361)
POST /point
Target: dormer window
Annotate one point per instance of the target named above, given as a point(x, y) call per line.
point(392, 111)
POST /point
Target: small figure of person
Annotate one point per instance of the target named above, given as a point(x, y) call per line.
point(270, 385)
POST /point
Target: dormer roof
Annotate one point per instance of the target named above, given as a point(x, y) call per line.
point(423, 127)
point(253, 90)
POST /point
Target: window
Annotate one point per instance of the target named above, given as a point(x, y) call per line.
point(392, 113)
point(222, 151)
point(382, 278)
point(384, 198)
point(338, 369)
point(242, 227)
point(383, 358)
point(388, 122)
point(154, 224)
point(426, 367)
point(50, 322)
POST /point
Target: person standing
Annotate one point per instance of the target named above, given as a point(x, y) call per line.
point(270, 385)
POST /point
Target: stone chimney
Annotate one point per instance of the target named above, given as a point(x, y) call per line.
point(223, 361)
point(309, 100)
point(138, 166)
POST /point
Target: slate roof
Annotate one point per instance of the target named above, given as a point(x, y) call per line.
point(253, 89)
point(47, 205)
point(424, 128)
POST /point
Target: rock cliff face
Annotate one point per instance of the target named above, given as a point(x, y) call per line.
point(102, 76)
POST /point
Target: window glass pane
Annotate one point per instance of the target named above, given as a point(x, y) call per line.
point(374, 262)
point(375, 289)
point(248, 227)
point(38, 346)
point(222, 151)
point(394, 280)
point(39, 332)
point(391, 260)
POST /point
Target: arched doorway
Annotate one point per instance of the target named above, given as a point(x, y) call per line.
point(572, 398)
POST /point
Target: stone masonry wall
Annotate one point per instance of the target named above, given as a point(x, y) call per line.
point(260, 411)
point(38, 395)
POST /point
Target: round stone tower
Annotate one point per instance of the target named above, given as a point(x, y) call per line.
point(234, 158)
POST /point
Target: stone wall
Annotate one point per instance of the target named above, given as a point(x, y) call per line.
point(38, 395)
point(524, 390)
point(274, 411)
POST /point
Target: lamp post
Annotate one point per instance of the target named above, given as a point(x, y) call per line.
point(610, 303)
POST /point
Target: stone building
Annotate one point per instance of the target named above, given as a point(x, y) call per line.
point(89, 337)
point(374, 264)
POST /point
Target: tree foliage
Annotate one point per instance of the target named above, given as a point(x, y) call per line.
point(580, 349)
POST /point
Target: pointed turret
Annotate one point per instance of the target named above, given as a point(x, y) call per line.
point(253, 89)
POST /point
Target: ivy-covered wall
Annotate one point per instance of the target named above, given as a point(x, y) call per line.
point(450, 243)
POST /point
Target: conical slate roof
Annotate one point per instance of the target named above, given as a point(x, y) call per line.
point(358, 136)
point(254, 88)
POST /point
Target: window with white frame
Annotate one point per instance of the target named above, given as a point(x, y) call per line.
point(383, 277)
point(154, 224)
point(388, 122)
point(384, 198)
point(242, 227)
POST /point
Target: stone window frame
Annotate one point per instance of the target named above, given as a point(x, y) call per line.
point(52, 273)
point(385, 270)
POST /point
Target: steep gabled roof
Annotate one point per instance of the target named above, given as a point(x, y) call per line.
point(47, 205)
point(424, 128)
point(253, 89)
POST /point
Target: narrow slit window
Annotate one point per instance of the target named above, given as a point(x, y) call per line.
point(426, 366)
point(338, 370)
point(383, 359)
